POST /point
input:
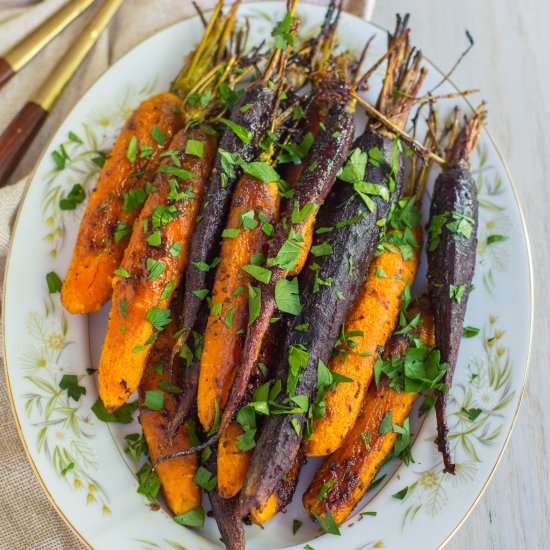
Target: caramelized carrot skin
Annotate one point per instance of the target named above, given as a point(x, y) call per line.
point(353, 466)
point(374, 313)
point(232, 462)
point(176, 475)
point(223, 339)
point(87, 285)
point(125, 351)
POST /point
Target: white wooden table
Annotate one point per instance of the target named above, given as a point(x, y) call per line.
point(510, 64)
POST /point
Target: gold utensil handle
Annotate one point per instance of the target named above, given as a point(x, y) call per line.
point(25, 50)
point(69, 63)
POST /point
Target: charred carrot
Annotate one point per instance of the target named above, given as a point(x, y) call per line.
point(451, 258)
point(152, 266)
point(176, 476)
point(120, 191)
point(346, 475)
point(368, 325)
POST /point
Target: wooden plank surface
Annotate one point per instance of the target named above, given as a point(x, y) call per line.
point(510, 64)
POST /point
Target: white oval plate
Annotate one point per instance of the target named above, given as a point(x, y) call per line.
point(42, 342)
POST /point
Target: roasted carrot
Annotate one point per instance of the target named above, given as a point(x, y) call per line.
point(232, 462)
point(152, 266)
point(120, 191)
point(254, 204)
point(176, 476)
point(451, 256)
point(115, 202)
point(347, 474)
point(367, 327)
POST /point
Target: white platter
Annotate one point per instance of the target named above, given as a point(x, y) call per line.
point(42, 342)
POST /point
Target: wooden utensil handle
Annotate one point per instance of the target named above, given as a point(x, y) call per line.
point(18, 136)
point(6, 71)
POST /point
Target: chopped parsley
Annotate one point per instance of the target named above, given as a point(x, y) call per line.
point(194, 147)
point(287, 296)
point(158, 135)
point(259, 273)
point(54, 282)
point(192, 518)
point(154, 400)
point(75, 196)
point(254, 303)
point(133, 199)
point(69, 382)
point(241, 132)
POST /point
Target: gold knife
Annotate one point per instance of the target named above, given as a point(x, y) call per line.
point(23, 128)
point(26, 49)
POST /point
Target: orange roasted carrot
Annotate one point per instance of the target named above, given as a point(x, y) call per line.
point(232, 462)
point(153, 265)
point(347, 473)
point(120, 192)
point(116, 201)
point(370, 322)
point(243, 238)
point(176, 476)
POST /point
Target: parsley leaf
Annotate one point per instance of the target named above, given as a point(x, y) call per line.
point(287, 296)
point(194, 147)
point(132, 150)
point(54, 282)
point(158, 135)
point(193, 518)
point(76, 196)
point(328, 524)
point(261, 170)
point(241, 132)
point(122, 415)
point(323, 249)
point(154, 400)
point(456, 292)
point(259, 273)
point(69, 382)
point(254, 303)
point(386, 424)
point(470, 332)
point(133, 199)
point(154, 267)
point(204, 478)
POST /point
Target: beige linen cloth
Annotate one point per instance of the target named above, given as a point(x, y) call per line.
point(27, 519)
